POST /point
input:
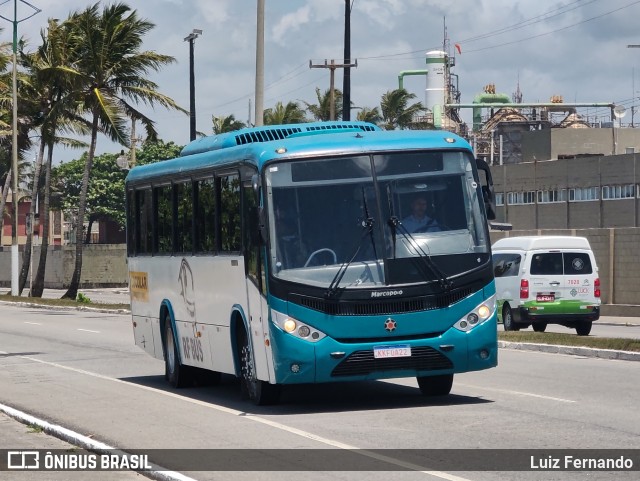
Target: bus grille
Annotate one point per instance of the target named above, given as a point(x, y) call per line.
point(361, 363)
point(387, 306)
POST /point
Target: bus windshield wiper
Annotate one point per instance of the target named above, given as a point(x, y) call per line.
point(396, 226)
point(367, 224)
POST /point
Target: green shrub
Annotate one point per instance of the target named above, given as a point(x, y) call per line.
point(82, 299)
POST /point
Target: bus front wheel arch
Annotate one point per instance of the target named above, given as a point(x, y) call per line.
point(258, 392)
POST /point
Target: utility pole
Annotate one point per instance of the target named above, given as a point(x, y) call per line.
point(332, 68)
point(259, 115)
point(15, 256)
point(346, 79)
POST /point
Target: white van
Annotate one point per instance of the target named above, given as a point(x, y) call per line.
point(544, 280)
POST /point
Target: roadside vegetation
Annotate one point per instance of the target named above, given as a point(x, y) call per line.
point(617, 344)
point(81, 301)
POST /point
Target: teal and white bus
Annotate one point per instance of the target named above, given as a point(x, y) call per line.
point(286, 254)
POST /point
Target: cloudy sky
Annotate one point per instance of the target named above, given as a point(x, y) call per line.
point(576, 49)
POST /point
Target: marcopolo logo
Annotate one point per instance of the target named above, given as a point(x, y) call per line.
point(386, 293)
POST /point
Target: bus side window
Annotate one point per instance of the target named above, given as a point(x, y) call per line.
point(205, 215)
point(250, 242)
point(229, 188)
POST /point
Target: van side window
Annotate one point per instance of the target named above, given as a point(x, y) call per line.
point(506, 265)
point(549, 264)
point(577, 263)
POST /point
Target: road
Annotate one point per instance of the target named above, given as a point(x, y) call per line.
point(81, 370)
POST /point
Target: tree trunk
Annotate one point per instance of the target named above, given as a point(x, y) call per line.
point(72, 292)
point(38, 283)
point(26, 258)
point(87, 237)
point(3, 202)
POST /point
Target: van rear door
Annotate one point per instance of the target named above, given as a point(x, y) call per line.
point(547, 282)
point(580, 276)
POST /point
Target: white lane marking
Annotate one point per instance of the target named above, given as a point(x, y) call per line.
point(89, 330)
point(33, 323)
point(516, 393)
point(80, 440)
point(258, 419)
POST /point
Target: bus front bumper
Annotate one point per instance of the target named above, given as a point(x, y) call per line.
point(299, 361)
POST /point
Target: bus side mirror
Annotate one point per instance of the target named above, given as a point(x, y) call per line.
point(488, 194)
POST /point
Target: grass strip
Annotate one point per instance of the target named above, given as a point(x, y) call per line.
point(43, 301)
point(618, 344)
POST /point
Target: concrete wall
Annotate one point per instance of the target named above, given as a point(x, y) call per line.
point(103, 265)
point(617, 254)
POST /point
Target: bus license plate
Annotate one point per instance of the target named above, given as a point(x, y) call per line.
point(546, 297)
point(382, 352)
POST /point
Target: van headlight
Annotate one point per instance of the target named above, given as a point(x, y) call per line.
point(296, 328)
point(479, 315)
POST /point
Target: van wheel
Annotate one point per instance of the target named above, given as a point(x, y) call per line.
point(259, 392)
point(583, 328)
point(174, 372)
point(507, 319)
point(435, 385)
point(540, 326)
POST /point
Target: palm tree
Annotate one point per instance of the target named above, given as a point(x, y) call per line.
point(322, 110)
point(51, 91)
point(396, 111)
point(284, 114)
point(226, 124)
point(109, 71)
point(371, 115)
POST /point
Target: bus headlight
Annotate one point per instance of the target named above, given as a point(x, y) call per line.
point(296, 328)
point(477, 316)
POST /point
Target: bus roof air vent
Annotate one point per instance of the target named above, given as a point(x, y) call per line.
point(272, 132)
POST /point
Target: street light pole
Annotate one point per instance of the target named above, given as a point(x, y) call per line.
point(259, 108)
point(192, 83)
point(15, 257)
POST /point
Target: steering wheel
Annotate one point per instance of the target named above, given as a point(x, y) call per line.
point(325, 249)
point(433, 227)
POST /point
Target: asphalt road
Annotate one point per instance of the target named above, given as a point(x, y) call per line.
point(81, 370)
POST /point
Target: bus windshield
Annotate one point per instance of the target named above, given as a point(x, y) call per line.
point(362, 212)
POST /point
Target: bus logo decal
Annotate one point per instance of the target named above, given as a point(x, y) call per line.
point(386, 293)
point(390, 325)
point(187, 291)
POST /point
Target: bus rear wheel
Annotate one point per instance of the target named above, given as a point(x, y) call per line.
point(174, 372)
point(259, 392)
point(435, 385)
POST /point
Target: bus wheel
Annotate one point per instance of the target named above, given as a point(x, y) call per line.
point(174, 372)
point(583, 328)
point(539, 326)
point(435, 385)
point(507, 319)
point(259, 392)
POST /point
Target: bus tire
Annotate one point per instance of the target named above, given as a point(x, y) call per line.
point(258, 392)
point(539, 326)
point(507, 319)
point(435, 385)
point(174, 372)
point(583, 328)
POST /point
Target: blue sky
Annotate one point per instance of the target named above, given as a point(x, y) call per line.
point(576, 49)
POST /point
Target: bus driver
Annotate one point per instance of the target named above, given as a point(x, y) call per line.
point(419, 221)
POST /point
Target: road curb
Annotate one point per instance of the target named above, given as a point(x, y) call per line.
point(87, 443)
point(572, 350)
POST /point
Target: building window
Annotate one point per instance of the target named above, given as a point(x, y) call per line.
point(500, 198)
point(519, 198)
point(583, 194)
point(551, 196)
point(610, 192)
